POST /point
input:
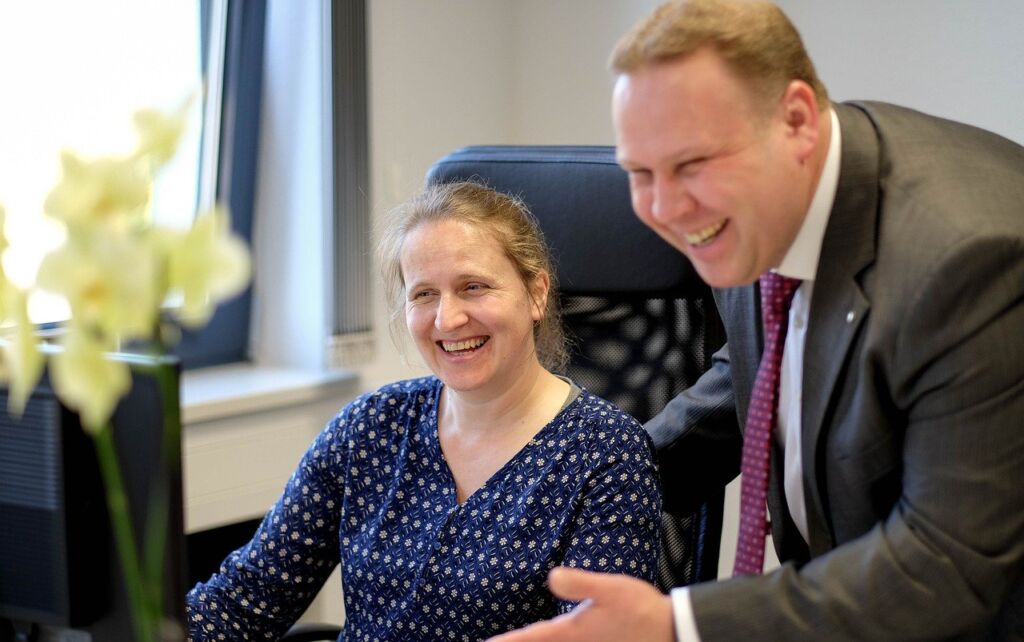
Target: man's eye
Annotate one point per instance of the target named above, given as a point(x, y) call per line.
point(475, 287)
point(640, 176)
point(691, 167)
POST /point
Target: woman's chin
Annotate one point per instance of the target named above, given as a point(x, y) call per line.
point(464, 384)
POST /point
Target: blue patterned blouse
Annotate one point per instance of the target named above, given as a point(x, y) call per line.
point(374, 492)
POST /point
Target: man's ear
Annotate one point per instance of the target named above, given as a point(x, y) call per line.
point(800, 116)
point(539, 290)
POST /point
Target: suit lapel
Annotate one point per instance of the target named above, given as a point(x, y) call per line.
point(838, 305)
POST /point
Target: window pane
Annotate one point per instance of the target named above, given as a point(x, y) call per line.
point(73, 73)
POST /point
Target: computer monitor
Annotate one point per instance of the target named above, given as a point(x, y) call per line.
point(58, 563)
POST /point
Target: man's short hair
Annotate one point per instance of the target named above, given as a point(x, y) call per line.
point(755, 39)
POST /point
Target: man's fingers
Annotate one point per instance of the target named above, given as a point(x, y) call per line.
point(612, 607)
point(576, 585)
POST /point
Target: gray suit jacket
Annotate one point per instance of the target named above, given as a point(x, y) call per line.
point(913, 402)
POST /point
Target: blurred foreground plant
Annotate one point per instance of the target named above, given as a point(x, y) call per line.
point(126, 281)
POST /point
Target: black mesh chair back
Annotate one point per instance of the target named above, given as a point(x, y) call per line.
point(642, 323)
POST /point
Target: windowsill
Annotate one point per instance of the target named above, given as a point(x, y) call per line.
point(218, 392)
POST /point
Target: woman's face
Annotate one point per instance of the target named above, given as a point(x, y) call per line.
point(467, 308)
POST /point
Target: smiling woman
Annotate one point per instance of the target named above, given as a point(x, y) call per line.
point(452, 496)
point(469, 311)
point(491, 214)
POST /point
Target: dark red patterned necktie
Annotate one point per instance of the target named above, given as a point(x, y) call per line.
point(776, 294)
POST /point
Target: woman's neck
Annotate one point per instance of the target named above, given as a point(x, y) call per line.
point(509, 411)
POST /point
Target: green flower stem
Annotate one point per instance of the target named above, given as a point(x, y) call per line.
point(156, 525)
point(120, 520)
point(153, 553)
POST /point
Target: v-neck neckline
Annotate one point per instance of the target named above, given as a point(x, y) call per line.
point(434, 442)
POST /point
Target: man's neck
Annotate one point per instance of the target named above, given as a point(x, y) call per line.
point(820, 154)
point(801, 259)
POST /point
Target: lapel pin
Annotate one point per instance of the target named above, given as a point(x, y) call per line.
point(850, 316)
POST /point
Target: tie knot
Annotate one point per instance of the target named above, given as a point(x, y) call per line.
point(776, 294)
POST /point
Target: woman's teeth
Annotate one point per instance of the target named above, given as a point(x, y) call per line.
point(457, 346)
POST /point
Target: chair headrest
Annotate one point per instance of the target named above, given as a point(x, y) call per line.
point(580, 197)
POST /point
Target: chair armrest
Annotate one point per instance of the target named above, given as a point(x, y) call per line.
point(312, 633)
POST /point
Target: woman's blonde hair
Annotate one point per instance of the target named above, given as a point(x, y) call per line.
point(510, 223)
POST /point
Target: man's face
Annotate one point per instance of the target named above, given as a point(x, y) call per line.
point(721, 182)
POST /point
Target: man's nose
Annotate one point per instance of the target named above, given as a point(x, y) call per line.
point(450, 314)
point(670, 201)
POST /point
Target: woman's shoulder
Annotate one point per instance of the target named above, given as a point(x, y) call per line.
point(418, 390)
point(397, 394)
point(384, 412)
point(595, 408)
point(410, 397)
point(601, 421)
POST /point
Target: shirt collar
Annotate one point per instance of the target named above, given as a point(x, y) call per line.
point(801, 260)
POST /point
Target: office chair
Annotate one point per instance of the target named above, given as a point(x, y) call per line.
point(643, 324)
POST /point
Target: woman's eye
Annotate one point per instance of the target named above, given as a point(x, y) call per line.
point(475, 287)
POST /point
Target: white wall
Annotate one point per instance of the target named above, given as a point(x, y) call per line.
point(438, 80)
point(960, 59)
point(562, 85)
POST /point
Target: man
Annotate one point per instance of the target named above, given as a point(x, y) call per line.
point(895, 401)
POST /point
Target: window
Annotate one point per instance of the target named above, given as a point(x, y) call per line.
point(84, 69)
point(233, 33)
point(72, 77)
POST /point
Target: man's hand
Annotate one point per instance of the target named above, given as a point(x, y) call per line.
point(613, 607)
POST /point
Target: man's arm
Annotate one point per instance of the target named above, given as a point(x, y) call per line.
point(697, 439)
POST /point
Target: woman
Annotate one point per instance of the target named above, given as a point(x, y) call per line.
point(447, 499)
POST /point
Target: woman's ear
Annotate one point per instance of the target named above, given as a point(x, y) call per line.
point(539, 290)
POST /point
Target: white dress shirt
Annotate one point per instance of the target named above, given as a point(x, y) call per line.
point(800, 262)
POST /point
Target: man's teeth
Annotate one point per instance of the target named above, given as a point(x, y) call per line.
point(468, 344)
point(702, 237)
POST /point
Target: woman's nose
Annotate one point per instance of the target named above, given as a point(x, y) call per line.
point(450, 314)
